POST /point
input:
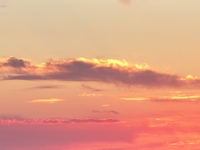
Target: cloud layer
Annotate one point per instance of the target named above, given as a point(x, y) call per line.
point(81, 69)
point(61, 136)
point(108, 111)
point(56, 121)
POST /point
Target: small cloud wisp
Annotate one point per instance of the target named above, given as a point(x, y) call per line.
point(51, 100)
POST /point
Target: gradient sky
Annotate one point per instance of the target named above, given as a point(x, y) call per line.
point(99, 74)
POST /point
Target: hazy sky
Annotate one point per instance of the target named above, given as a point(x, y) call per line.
point(99, 74)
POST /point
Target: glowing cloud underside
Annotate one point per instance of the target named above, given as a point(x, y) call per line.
point(98, 70)
point(51, 100)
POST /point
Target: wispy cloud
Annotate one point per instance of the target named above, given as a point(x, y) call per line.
point(47, 87)
point(91, 88)
point(15, 120)
point(170, 98)
point(134, 98)
point(90, 95)
point(81, 69)
point(50, 100)
point(107, 111)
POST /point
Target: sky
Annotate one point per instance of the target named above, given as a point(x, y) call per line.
point(99, 74)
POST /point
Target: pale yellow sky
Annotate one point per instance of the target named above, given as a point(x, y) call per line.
point(163, 34)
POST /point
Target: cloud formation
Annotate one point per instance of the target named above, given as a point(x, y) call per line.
point(47, 87)
point(91, 88)
point(56, 121)
point(108, 111)
point(62, 136)
point(108, 71)
point(50, 100)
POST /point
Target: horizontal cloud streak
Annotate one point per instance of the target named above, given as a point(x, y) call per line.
point(81, 69)
point(91, 88)
point(57, 121)
point(108, 111)
point(50, 100)
point(47, 87)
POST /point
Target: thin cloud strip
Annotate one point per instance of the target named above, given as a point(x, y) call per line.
point(108, 71)
point(50, 100)
point(108, 111)
point(48, 87)
point(57, 121)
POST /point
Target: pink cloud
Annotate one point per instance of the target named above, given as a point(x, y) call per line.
point(44, 136)
point(155, 131)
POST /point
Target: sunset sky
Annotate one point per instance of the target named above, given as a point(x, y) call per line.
point(99, 75)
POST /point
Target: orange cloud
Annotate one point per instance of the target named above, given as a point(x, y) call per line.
point(89, 94)
point(172, 98)
point(98, 70)
point(51, 100)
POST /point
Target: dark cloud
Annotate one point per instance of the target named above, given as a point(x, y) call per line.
point(15, 63)
point(107, 71)
point(6, 120)
point(91, 88)
point(108, 111)
point(47, 87)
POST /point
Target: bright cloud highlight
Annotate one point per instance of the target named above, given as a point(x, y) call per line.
point(51, 100)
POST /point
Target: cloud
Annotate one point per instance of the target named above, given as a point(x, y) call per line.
point(62, 136)
point(47, 87)
point(158, 131)
point(91, 88)
point(50, 100)
point(89, 95)
point(15, 65)
point(15, 120)
point(14, 62)
point(107, 71)
point(172, 98)
point(108, 111)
